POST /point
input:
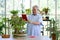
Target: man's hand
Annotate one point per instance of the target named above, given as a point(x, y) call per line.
point(24, 20)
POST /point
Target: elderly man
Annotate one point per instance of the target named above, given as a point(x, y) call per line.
point(34, 23)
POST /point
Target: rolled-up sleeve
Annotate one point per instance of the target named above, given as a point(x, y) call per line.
point(40, 20)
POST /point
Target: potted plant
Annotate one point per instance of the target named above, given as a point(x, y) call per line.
point(45, 10)
point(17, 23)
point(28, 11)
point(14, 19)
point(5, 20)
point(53, 29)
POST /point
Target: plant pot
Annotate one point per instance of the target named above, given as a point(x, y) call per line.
point(5, 36)
point(19, 35)
point(46, 12)
point(53, 36)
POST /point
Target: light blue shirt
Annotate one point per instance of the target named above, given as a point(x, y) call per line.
point(32, 29)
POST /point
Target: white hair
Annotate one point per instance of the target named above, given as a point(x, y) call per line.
point(36, 7)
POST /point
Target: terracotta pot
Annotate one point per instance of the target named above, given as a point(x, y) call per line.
point(53, 36)
point(5, 36)
point(46, 12)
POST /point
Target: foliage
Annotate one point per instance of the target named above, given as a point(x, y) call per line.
point(45, 10)
point(14, 12)
point(17, 23)
point(28, 11)
point(5, 19)
point(53, 27)
point(1, 27)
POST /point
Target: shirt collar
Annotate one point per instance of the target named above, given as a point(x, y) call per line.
point(35, 15)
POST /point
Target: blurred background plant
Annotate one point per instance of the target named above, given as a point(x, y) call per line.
point(45, 10)
point(28, 11)
point(53, 28)
point(1, 27)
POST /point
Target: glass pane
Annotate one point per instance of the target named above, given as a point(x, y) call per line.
point(51, 5)
point(26, 4)
point(58, 16)
point(58, 6)
point(9, 7)
point(43, 4)
point(34, 2)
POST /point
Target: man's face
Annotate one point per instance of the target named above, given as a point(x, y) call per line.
point(34, 10)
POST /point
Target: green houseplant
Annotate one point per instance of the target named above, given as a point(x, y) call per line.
point(5, 20)
point(53, 29)
point(28, 11)
point(45, 10)
point(1, 27)
point(16, 22)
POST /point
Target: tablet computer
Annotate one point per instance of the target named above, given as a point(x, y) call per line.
point(24, 17)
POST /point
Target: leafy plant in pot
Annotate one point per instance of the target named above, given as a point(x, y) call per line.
point(45, 10)
point(17, 23)
point(5, 20)
point(53, 29)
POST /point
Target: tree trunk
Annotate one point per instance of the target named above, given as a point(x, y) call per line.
point(16, 31)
